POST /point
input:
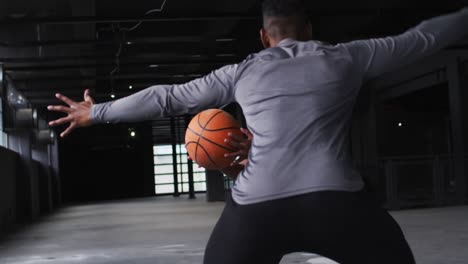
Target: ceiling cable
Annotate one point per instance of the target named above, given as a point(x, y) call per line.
point(121, 35)
point(147, 13)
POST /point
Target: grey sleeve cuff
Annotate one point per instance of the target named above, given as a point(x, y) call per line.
point(96, 115)
point(92, 114)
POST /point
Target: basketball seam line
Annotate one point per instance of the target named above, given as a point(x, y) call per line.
point(192, 142)
point(198, 140)
point(201, 136)
point(209, 157)
point(209, 120)
point(221, 129)
point(203, 130)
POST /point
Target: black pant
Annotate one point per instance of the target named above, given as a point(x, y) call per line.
point(347, 227)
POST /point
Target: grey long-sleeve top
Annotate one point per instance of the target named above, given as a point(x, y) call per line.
point(297, 99)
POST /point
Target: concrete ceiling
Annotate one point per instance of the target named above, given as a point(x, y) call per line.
point(66, 46)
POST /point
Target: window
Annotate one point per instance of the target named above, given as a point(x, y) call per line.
point(3, 135)
point(164, 171)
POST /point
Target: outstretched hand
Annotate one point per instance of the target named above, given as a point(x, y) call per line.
point(78, 113)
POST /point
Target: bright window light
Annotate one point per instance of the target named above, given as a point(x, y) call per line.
point(164, 171)
point(3, 135)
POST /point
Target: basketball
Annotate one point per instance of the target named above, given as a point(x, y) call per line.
point(204, 138)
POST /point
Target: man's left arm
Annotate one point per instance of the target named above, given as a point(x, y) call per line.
point(377, 56)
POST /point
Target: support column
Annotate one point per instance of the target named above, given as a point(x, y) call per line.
point(2, 83)
point(369, 144)
point(437, 182)
point(458, 117)
point(174, 157)
point(190, 167)
point(214, 186)
point(27, 182)
point(56, 177)
point(391, 186)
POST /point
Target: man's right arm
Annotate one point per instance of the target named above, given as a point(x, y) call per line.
point(377, 56)
point(213, 90)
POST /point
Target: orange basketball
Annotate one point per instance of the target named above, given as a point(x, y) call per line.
point(204, 138)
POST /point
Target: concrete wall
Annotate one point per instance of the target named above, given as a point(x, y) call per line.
point(28, 190)
point(41, 157)
point(8, 171)
point(26, 178)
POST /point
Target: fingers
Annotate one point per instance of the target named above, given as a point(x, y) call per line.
point(243, 146)
point(68, 130)
point(65, 99)
point(240, 157)
point(87, 96)
point(239, 161)
point(234, 154)
point(59, 108)
point(60, 121)
point(247, 133)
point(236, 137)
point(235, 162)
point(233, 143)
point(244, 162)
point(239, 142)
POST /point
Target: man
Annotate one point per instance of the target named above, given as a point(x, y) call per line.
point(298, 191)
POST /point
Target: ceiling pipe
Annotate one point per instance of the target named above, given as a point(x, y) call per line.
point(107, 77)
point(149, 57)
point(99, 20)
point(26, 118)
point(44, 137)
point(99, 65)
point(129, 41)
point(318, 12)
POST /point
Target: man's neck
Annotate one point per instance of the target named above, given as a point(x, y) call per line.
point(275, 42)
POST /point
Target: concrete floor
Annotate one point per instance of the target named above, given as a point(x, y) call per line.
point(169, 231)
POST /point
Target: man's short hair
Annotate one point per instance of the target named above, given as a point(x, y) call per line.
point(284, 17)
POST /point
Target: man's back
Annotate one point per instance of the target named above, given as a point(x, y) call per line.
point(297, 99)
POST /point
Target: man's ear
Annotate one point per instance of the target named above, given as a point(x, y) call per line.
point(265, 38)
